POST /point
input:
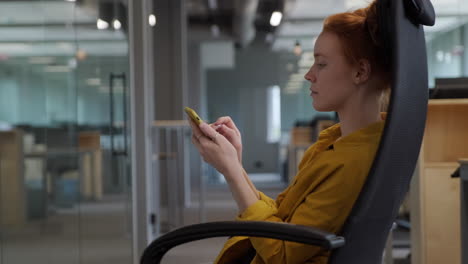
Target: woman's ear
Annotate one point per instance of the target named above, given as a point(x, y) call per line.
point(362, 71)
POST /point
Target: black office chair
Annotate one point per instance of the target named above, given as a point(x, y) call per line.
point(367, 228)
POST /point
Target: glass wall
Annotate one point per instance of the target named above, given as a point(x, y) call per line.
point(447, 41)
point(64, 168)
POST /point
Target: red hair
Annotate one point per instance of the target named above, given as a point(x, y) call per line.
point(358, 34)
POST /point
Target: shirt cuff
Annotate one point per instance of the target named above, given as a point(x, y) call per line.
point(259, 211)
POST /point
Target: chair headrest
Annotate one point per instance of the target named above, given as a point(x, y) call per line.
point(420, 12)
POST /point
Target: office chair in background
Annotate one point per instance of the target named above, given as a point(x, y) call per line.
point(367, 228)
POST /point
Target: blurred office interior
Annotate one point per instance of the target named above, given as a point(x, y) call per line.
point(95, 153)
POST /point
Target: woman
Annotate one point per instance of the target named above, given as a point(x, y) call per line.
point(349, 76)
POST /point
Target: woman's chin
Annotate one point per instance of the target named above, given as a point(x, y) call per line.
point(322, 108)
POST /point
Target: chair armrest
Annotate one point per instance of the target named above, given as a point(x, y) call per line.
point(283, 231)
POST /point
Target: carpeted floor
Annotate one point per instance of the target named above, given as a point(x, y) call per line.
point(102, 235)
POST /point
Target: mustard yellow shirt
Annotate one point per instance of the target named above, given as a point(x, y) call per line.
point(329, 179)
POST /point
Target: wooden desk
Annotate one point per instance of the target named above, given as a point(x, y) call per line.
point(85, 170)
point(435, 196)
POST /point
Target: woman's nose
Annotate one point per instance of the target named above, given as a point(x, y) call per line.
point(310, 76)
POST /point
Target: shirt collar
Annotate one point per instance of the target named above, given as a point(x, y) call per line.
point(328, 136)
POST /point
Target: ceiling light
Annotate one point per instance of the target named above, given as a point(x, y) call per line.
point(152, 20)
point(41, 60)
point(101, 24)
point(57, 68)
point(275, 19)
point(70, 1)
point(297, 48)
point(93, 81)
point(117, 25)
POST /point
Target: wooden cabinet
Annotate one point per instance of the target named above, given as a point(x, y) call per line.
point(91, 186)
point(12, 190)
point(435, 196)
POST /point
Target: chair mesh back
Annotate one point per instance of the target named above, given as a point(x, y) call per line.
point(367, 228)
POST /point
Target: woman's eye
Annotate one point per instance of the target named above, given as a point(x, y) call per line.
point(321, 65)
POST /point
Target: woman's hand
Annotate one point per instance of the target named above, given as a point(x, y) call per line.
point(216, 150)
point(226, 127)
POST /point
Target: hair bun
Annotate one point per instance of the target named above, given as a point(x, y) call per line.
point(371, 23)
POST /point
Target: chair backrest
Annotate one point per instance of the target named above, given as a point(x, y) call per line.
point(368, 225)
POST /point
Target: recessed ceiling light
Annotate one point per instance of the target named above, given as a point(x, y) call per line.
point(101, 24)
point(152, 20)
point(275, 19)
point(57, 68)
point(93, 81)
point(117, 25)
point(41, 60)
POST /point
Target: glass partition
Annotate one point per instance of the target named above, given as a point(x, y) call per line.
point(102, 113)
point(64, 173)
point(42, 178)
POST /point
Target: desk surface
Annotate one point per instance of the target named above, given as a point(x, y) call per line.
point(458, 101)
point(57, 152)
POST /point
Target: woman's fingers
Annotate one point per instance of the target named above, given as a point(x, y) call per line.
point(227, 132)
point(196, 142)
point(199, 139)
point(213, 147)
point(203, 132)
point(226, 120)
point(209, 131)
point(195, 130)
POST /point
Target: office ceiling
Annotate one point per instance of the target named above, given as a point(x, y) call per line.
point(303, 21)
point(55, 28)
point(45, 27)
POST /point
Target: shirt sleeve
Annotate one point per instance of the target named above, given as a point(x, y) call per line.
point(261, 209)
point(238, 246)
point(326, 208)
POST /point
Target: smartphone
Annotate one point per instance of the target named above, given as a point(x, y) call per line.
point(193, 115)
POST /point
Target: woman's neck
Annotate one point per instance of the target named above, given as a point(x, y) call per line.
point(359, 114)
